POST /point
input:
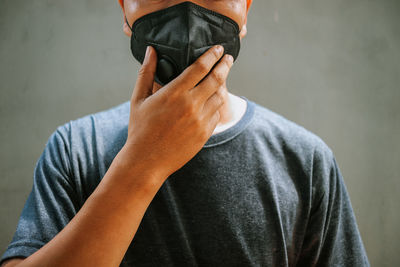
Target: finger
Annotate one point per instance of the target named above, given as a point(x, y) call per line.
point(215, 79)
point(213, 122)
point(193, 74)
point(156, 87)
point(145, 78)
point(215, 102)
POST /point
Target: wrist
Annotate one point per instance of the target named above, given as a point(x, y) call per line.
point(130, 161)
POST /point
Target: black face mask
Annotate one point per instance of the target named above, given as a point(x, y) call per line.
point(180, 34)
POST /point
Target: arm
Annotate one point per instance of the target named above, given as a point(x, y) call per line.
point(106, 222)
point(11, 262)
point(165, 131)
point(332, 237)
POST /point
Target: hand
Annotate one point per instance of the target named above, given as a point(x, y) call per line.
point(168, 128)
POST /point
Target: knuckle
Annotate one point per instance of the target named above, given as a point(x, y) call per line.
point(218, 99)
point(221, 96)
point(143, 71)
point(215, 53)
point(189, 108)
point(218, 76)
point(220, 92)
point(202, 66)
point(217, 116)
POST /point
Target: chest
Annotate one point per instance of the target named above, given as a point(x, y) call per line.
point(219, 216)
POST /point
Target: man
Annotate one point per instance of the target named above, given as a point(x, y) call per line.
point(186, 173)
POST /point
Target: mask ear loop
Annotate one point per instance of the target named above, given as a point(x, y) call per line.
point(126, 20)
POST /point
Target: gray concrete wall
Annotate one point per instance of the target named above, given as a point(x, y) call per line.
point(330, 66)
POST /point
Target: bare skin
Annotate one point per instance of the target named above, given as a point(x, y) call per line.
point(167, 127)
point(134, 9)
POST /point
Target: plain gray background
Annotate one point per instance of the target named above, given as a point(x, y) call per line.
point(330, 66)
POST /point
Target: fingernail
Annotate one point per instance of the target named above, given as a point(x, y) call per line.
point(219, 49)
point(230, 58)
point(147, 51)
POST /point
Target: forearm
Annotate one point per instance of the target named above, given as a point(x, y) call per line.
point(101, 232)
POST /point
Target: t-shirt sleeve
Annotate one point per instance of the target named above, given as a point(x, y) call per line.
point(332, 237)
point(51, 203)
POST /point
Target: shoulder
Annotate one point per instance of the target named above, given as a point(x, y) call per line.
point(83, 148)
point(288, 138)
point(116, 116)
point(297, 151)
point(86, 131)
point(90, 140)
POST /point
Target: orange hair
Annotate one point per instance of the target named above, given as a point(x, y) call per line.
point(121, 2)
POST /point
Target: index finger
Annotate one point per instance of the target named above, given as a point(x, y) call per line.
point(193, 74)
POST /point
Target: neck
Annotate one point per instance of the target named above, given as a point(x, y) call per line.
point(226, 109)
point(226, 114)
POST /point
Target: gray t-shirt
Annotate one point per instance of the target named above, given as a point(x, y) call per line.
point(264, 192)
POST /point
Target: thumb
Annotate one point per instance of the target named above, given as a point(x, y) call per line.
point(145, 78)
